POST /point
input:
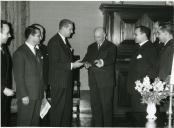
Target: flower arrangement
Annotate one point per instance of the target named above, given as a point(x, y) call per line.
point(152, 92)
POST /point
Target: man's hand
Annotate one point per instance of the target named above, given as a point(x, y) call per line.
point(8, 92)
point(76, 64)
point(25, 100)
point(98, 63)
point(87, 65)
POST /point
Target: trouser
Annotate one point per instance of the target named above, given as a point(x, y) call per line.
point(28, 115)
point(5, 110)
point(138, 110)
point(101, 103)
point(61, 107)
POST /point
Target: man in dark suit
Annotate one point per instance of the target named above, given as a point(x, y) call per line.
point(44, 51)
point(143, 62)
point(60, 75)
point(165, 34)
point(100, 62)
point(6, 71)
point(157, 44)
point(28, 76)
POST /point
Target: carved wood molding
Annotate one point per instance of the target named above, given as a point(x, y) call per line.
point(131, 13)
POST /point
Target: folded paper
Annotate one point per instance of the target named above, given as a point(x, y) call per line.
point(45, 106)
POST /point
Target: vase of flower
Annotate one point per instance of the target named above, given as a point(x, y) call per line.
point(151, 111)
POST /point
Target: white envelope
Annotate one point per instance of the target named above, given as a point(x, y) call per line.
point(45, 106)
point(139, 56)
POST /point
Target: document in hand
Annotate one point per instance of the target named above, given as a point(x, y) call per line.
point(45, 106)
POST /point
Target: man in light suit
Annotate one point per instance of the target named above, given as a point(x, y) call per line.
point(100, 62)
point(60, 75)
point(143, 62)
point(165, 34)
point(28, 76)
point(6, 72)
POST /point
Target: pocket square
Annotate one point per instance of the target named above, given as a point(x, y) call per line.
point(139, 56)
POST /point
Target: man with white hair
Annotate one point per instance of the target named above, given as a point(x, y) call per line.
point(100, 62)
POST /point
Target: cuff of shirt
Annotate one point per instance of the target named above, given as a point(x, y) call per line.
point(102, 62)
point(71, 66)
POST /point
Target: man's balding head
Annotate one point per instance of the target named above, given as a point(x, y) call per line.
point(99, 34)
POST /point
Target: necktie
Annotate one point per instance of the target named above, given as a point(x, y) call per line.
point(98, 46)
point(68, 46)
point(36, 53)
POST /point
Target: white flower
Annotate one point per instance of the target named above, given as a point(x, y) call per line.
point(153, 92)
point(158, 85)
point(146, 84)
point(138, 86)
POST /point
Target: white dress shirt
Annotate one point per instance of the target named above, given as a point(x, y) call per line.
point(63, 38)
point(31, 47)
point(99, 46)
point(141, 44)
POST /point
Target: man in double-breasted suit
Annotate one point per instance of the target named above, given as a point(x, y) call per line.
point(6, 74)
point(60, 75)
point(144, 62)
point(165, 35)
point(28, 75)
point(100, 62)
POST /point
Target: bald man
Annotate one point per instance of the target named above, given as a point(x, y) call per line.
point(100, 62)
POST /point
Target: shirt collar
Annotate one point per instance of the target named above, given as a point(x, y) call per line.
point(141, 44)
point(63, 38)
point(166, 42)
point(31, 47)
point(101, 43)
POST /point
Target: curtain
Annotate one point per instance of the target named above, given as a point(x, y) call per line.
point(17, 13)
point(118, 30)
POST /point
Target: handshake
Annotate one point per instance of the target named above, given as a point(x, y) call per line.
point(98, 63)
point(77, 64)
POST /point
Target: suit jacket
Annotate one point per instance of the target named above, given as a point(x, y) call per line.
point(44, 51)
point(60, 58)
point(6, 68)
point(28, 73)
point(144, 62)
point(107, 52)
point(166, 59)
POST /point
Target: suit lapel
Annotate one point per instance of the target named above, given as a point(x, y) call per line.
point(144, 45)
point(141, 48)
point(64, 46)
point(27, 49)
point(103, 45)
point(99, 52)
point(170, 42)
